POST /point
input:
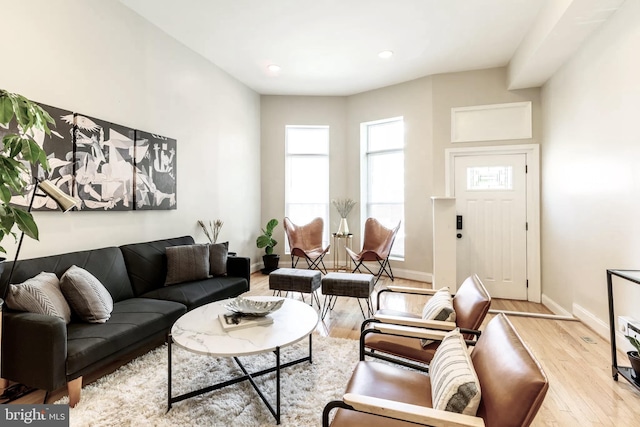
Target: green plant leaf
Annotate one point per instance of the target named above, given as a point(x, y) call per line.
point(271, 225)
point(263, 241)
point(634, 342)
point(25, 223)
point(6, 110)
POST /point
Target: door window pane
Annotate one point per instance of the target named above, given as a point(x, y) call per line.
point(490, 178)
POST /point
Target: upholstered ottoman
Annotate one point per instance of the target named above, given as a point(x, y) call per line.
point(295, 280)
point(354, 285)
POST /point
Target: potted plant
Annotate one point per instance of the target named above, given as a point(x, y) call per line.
point(267, 242)
point(634, 356)
point(18, 152)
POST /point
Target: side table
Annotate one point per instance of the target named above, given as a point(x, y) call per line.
point(348, 239)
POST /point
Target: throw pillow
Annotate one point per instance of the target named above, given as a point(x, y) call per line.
point(186, 263)
point(88, 298)
point(41, 295)
point(438, 307)
point(218, 258)
point(454, 383)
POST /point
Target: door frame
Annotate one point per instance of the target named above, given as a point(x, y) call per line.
point(532, 153)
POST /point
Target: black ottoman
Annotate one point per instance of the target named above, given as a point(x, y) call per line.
point(295, 280)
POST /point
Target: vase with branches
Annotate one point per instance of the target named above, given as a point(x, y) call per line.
point(343, 206)
point(211, 229)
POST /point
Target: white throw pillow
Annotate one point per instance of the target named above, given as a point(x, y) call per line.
point(86, 295)
point(454, 383)
point(41, 295)
point(438, 307)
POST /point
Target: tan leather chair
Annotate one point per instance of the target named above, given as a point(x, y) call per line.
point(376, 246)
point(512, 383)
point(471, 304)
point(305, 242)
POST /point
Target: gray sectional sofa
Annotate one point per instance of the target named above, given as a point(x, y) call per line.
point(43, 352)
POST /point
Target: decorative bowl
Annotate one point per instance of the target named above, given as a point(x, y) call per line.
point(252, 307)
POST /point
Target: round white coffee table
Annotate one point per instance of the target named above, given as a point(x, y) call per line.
point(200, 331)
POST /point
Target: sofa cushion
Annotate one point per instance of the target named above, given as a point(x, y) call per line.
point(147, 262)
point(187, 263)
point(41, 295)
point(199, 292)
point(218, 253)
point(106, 264)
point(131, 321)
point(454, 383)
point(88, 297)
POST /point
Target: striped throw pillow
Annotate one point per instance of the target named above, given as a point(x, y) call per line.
point(86, 295)
point(187, 263)
point(454, 383)
point(438, 307)
point(40, 295)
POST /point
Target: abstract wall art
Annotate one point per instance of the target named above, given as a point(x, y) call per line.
point(103, 165)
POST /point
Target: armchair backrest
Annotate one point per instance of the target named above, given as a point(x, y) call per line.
point(378, 238)
point(512, 381)
point(471, 303)
point(304, 237)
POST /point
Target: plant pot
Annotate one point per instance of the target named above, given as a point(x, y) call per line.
point(270, 263)
point(634, 359)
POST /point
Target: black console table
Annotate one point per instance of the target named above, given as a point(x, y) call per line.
point(625, 371)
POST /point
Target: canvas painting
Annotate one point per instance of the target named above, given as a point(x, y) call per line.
point(155, 176)
point(59, 148)
point(103, 164)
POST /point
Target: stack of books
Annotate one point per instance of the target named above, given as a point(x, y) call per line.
point(235, 321)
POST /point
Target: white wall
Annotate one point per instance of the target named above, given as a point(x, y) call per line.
point(280, 111)
point(425, 104)
point(101, 59)
point(412, 101)
point(591, 173)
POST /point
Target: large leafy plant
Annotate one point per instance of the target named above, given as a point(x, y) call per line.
point(267, 241)
point(18, 152)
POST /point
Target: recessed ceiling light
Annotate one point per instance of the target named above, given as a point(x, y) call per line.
point(274, 68)
point(385, 54)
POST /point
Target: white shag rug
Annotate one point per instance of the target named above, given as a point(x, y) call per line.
point(136, 394)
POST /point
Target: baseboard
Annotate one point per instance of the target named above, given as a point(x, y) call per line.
point(419, 276)
point(591, 320)
point(554, 306)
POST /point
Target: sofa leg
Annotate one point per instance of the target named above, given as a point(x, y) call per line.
point(74, 388)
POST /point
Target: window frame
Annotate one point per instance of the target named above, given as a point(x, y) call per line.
point(287, 203)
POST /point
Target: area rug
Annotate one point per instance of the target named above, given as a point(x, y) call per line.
point(136, 394)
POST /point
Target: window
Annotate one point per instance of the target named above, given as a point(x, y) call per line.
point(307, 176)
point(383, 175)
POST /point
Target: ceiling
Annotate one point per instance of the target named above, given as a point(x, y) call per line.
point(330, 47)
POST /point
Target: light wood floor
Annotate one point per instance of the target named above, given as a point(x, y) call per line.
point(576, 360)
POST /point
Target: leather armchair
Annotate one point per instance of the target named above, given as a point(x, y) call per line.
point(376, 246)
point(379, 338)
point(305, 242)
point(512, 382)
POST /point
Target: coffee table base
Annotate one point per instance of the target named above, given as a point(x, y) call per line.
point(247, 376)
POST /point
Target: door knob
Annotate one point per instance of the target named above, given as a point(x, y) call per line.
point(459, 235)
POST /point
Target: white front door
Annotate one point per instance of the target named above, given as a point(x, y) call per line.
point(491, 197)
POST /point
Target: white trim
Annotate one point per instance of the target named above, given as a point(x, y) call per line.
point(532, 152)
point(554, 306)
point(494, 122)
point(599, 327)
